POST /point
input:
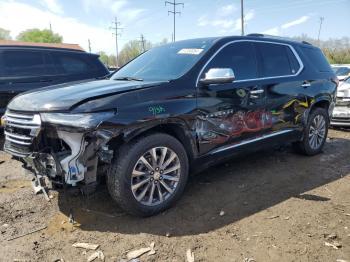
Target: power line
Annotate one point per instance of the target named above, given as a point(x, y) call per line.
point(319, 30)
point(89, 43)
point(116, 27)
point(242, 17)
point(143, 41)
point(174, 12)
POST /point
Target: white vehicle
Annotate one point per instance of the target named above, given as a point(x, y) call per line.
point(341, 113)
point(341, 71)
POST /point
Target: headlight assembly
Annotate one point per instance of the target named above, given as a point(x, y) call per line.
point(84, 120)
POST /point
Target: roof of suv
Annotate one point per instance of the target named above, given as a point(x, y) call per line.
point(269, 38)
point(63, 46)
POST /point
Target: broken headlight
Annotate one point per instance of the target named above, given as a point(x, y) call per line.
point(84, 120)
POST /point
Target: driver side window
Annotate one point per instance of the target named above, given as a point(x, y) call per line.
point(240, 57)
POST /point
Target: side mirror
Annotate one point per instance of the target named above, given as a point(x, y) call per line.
point(218, 76)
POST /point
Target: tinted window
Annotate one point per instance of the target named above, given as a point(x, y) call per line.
point(238, 56)
point(341, 71)
point(275, 60)
point(317, 59)
point(73, 64)
point(23, 63)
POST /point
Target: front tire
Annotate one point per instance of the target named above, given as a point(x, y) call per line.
point(315, 133)
point(148, 175)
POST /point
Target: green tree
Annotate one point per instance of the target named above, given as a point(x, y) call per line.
point(39, 36)
point(131, 50)
point(104, 58)
point(4, 34)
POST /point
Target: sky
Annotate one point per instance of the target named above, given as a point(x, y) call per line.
point(80, 20)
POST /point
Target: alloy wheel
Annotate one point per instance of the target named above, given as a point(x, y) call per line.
point(155, 176)
point(317, 132)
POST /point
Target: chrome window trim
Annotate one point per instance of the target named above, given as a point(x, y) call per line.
point(260, 78)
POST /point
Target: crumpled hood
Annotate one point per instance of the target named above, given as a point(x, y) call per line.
point(64, 97)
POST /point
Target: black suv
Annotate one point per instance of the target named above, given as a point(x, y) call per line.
point(175, 109)
point(24, 68)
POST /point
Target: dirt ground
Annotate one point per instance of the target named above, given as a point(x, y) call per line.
point(277, 206)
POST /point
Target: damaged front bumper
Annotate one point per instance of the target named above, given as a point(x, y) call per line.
point(53, 149)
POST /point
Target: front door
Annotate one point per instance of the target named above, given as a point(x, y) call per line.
point(233, 112)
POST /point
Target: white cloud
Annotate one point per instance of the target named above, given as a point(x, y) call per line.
point(53, 6)
point(225, 25)
point(277, 30)
point(116, 7)
point(227, 10)
point(18, 17)
point(298, 21)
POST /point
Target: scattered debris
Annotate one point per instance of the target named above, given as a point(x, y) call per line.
point(328, 190)
point(334, 245)
point(222, 213)
point(28, 233)
point(86, 246)
point(341, 260)
point(98, 254)
point(5, 225)
point(189, 255)
point(137, 253)
point(273, 217)
point(168, 234)
point(59, 260)
point(71, 219)
point(286, 218)
point(347, 215)
point(331, 236)
point(249, 260)
point(50, 196)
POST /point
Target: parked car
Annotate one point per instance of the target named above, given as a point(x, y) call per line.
point(341, 113)
point(342, 71)
point(175, 109)
point(23, 68)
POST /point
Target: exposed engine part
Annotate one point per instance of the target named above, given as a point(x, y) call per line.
point(71, 165)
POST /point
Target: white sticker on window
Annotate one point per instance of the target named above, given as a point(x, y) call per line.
point(190, 51)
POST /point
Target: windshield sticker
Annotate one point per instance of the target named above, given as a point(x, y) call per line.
point(190, 51)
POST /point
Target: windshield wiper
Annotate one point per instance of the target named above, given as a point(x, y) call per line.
point(128, 78)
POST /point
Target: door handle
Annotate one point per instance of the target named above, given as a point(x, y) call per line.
point(257, 91)
point(305, 85)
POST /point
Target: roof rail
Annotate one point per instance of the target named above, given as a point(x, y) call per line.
point(277, 37)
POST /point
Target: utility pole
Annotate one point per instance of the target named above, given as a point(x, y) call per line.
point(319, 30)
point(116, 27)
point(89, 45)
point(174, 12)
point(242, 16)
point(143, 41)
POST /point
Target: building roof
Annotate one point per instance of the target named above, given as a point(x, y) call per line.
point(48, 45)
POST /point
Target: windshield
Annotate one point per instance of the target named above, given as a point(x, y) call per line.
point(341, 71)
point(166, 62)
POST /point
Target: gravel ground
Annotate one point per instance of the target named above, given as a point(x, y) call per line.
point(268, 206)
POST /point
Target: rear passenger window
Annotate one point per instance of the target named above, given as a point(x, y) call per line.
point(277, 60)
point(238, 56)
point(317, 59)
point(22, 63)
point(73, 64)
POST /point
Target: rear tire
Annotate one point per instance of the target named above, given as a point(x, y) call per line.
point(315, 133)
point(144, 182)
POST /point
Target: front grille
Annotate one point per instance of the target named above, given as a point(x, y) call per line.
point(20, 132)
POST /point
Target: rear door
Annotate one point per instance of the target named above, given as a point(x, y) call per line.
point(279, 71)
point(234, 112)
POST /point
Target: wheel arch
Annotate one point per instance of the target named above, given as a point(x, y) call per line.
point(173, 127)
